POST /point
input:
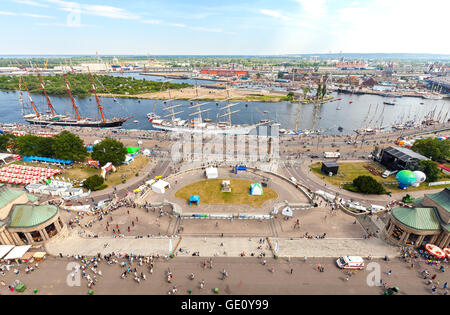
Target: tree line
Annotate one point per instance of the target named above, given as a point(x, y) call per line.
point(81, 85)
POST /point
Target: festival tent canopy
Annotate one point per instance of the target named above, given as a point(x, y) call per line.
point(160, 186)
point(194, 199)
point(5, 249)
point(447, 252)
point(17, 252)
point(287, 211)
point(211, 172)
point(45, 159)
point(133, 149)
point(256, 189)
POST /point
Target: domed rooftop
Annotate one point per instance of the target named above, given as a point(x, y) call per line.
point(423, 219)
point(27, 216)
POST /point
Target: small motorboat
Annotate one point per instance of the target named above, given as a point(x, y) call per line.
point(136, 121)
point(152, 116)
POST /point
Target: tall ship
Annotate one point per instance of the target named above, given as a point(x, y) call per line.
point(52, 118)
point(197, 124)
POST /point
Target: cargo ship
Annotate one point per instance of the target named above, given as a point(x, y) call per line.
point(51, 118)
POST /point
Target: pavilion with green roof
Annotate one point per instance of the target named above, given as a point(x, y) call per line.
point(24, 222)
point(427, 222)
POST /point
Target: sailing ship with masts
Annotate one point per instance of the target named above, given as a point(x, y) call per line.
point(51, 118)
point(198, 124)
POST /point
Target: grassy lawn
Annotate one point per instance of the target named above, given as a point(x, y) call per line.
point(81, 171)
point(349, 171)
point(210, 193)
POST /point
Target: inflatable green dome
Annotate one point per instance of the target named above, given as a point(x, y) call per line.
point(406, 177)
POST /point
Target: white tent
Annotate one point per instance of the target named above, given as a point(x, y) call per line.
point(17, 252)
point(211, 172)
point(5, 249)
point(146, 152)
point(287, 211)
point(160, 186)
point(256, 189)
point(5, 156)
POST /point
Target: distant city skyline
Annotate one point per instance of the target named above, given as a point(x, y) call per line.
point(199, 27)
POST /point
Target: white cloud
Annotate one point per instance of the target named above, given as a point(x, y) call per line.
point(75, 25)
point(39, 16)
point(314, 8)
point(32, 3)
point(94, 9)
point(177, 25)
point(7, 13)
point(275, 14)
point(151, 21)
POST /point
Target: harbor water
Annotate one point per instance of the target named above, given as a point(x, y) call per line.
point(350, 113)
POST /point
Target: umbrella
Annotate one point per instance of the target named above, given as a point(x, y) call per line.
point(435, 251)
point(447, 252)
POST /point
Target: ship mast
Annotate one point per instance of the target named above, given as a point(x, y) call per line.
point(100, 107)
point(31, 100)
point(45, 93)
point(70, 95)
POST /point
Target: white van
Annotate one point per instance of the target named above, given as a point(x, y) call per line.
point(294, 180)
point(350, 262)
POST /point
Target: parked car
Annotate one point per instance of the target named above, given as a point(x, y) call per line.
point(388, 173)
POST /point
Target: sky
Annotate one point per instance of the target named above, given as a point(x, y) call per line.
point(223, 27)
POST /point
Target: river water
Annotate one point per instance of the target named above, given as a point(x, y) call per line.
point(351, 116)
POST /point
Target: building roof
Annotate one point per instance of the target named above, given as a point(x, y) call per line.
point(442, 198)
point(404, 154)
point(330, 164)
point(423, 219)
point(26, 216)
point(8, 195)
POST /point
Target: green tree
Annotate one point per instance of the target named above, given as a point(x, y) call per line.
point(437, 150)
point(109, 150)
point(368, 185)
point(280, 75)
point(68, 146)
point(6, 140)
point(431, 170)
point(94, 183)
point(306, 90)
point(33, 145)
point(290, 96)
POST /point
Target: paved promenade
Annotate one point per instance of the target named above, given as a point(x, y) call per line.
point(222, 247)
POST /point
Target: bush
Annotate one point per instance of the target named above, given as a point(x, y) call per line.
point(368, 185)
point(350, 187)
point(94, 183)
point(430, 169)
